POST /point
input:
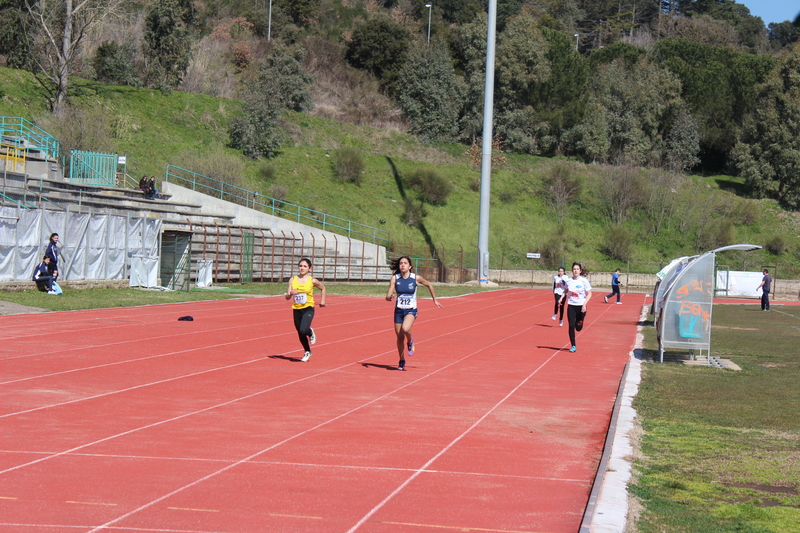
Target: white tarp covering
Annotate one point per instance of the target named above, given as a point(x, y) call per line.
point(90, 246)
point(739, 283)
point(144, 272)
point(205, 273)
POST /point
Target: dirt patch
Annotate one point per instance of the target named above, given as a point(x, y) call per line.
point(8, 308)
point(775, 489)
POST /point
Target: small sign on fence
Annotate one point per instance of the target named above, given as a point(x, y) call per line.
point(533, 256)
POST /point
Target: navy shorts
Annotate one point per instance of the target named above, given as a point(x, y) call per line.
point(401, 314)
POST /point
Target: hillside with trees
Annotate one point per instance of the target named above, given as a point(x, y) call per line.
point(613, 114)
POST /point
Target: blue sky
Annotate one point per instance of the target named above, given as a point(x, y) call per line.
point(773, 10)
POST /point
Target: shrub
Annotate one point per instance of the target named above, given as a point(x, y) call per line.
point(747, 212)
point(776, 245)
point(431, 186)
point(266, 171)
point(348, 165)
point(413, 213)
point(618, 243)
point(560, 189)
point(114, 64)
point(553, 250)
point(475, 184)
point(279, 194)
point(507, 196)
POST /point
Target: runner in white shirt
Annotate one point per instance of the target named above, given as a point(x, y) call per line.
point(577, 295)
point(559, 284)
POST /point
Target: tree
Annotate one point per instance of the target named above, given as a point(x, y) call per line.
point(15, 43)
point(719, 86)
point(62, 25)
point(637, 117)
point(300, 11)
point(281, 84)
point(257, 133)
point(768, 152)
point(560, 189)
point(379, 46)
point(469, 47)
point(428, 92)
point(783, 34)
point(283, 76)
point(113, 64)
point(167, 42)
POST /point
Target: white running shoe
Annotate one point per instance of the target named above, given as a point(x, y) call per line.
point(561, 323)
point(313, 337)
point(619, 303)
point(306, 356)
point(605, 299)
point(554, 317)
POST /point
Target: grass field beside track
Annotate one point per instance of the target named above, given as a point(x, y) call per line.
point(73, 300)
point(721, 448)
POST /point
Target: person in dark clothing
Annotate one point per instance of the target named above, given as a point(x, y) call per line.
point(615, 285)
point(144, 186)
point(42, 277)
point(151, 184)
point(52, 254)
point(766, 286)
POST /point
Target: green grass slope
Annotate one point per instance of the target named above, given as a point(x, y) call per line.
point(154, 130)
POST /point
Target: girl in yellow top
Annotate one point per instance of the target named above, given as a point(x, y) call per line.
point(301, 292)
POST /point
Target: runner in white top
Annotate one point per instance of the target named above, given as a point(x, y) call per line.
point(577, 294)
point(559, 284)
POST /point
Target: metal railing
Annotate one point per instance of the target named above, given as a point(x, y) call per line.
point(92, 168)
point(310, 217)
point(25, 135)
point(13, 158)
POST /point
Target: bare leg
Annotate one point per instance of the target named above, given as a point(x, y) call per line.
point(403, 332)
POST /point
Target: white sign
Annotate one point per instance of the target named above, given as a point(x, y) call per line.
point(533, 256)
point(121, 160)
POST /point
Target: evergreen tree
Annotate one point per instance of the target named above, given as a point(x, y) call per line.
point(379, 46)
point(768, 154)
point(428, 92)
point(168, 43)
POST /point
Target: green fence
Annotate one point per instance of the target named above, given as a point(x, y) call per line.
point(310, 217)
point(24, 134)
point(93, 168)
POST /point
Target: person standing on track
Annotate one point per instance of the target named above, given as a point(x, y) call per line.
point(559, 284)
point(765, 286)
point(301, 292)
point(615, 285)
point(404, 285)
point(577, 294)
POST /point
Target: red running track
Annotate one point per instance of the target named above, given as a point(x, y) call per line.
point(129, 420)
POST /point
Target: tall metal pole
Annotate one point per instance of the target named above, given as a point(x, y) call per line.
point(429, 21)
point(269, 22)
point(486, 153)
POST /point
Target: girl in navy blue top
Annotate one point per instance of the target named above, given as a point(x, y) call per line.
point(42, 277)
point(404, 285)
point(52, 253)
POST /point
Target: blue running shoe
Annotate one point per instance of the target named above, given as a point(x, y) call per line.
point(573, 349)
point(401, 365)
point(411, 347)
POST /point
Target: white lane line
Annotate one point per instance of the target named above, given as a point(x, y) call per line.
point(306, 431)
point(444, 450)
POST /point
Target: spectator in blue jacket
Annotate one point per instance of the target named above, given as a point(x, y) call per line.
point(52, 253)
point(615, 285)
point(42, 276)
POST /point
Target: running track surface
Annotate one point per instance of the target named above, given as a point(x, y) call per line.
point(129, 420)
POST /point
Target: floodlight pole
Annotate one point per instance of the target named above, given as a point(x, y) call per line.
point(269, 22)
point(429, 6)
point(486, 150)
